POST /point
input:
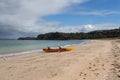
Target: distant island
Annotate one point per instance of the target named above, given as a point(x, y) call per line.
point(98, 34)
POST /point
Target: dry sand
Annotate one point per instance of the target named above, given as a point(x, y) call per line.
point(99, 60)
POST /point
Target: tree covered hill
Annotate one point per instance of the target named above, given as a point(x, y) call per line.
point(98, 34)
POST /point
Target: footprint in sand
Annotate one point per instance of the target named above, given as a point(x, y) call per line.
point(117, 66)
point(53, 75)
point(94, 65)
point(113, 70)
point(83, 75)
point(118, 76)
point(118, 70)
point(84, 78)
point(80, 74)
point(89, 67)
point(103, 65)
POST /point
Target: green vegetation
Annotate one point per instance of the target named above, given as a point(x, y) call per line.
point(98, 34)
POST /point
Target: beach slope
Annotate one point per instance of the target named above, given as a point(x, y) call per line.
point(98, 60)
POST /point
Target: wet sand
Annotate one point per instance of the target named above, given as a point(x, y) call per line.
point(98, 60)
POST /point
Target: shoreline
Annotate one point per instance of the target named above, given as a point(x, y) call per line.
point(98, 60)
point(20, 53)
point(37, 51)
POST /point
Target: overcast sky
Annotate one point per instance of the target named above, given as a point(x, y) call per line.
point(32, 17)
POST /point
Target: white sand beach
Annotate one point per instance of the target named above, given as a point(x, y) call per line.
point(98, 60)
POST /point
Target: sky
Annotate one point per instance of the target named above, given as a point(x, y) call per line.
point(21, 18)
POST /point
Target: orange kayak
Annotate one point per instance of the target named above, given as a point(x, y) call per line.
point(59, 50)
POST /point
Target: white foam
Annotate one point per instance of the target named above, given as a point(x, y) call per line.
point(20, 53)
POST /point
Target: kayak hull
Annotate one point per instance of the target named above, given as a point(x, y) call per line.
point(58, 50)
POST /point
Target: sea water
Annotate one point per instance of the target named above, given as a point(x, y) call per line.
point(21, 46)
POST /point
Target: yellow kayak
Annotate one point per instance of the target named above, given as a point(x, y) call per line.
point(69, 48)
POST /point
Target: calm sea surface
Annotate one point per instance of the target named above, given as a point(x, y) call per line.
point(17, 46)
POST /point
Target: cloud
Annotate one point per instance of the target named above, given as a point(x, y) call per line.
point(106, 26)
point(98, 13)
point(85, 28)
point(81, 28)
point(25, 16)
